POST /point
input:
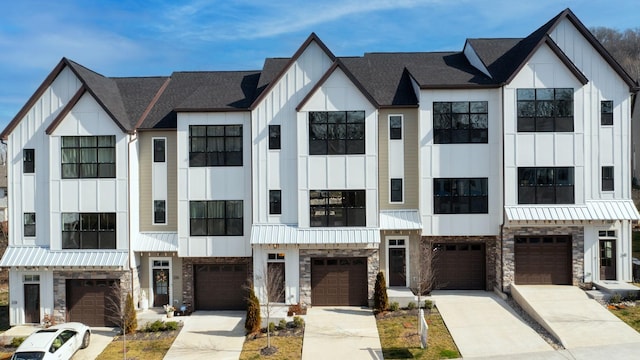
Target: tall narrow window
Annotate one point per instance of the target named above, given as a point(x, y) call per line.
point(159, 212)
point(396, 190)
point(275, 206)
point(606, 112)
point(607, 178)
point(28, 161)
point(274, 137)
point(395, 127)
point(29, 224)
point(159, 150)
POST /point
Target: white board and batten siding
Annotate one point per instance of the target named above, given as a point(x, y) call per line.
point(278, 169)
point(291, 271)
point(475, 160)
point(338, 172)
point(110, 195)
point(16, 289)
point(213, 183)
point(623, 250)
point(30, 133)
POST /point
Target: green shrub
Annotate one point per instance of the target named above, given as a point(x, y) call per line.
point(428, 304)
point(380, 299)
point(615, 298)
point(394, 306)
point(411, 305)
point(298, 321)
point(272, 327)
point(282, 324)
point(17, 341)
point(253, 321)
point(130, 316)
point(171, 325)
point(155, 326)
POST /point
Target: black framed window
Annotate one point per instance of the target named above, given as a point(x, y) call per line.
point(460, 196)
point(545, 110)
point(29, 224)
point(336, 132)
point(274, 137)
point(275, 205)
point(395, 127)
point(607, 178)
point(606, 112)
point(460, 122)
point(335, 208)
point(216, 218)
point(159, 150)
point(546, 185)
point(88, 157)
point(396, 190)
point(88, 230)
point(28, 161)
point(215, 145)
point(159, 212)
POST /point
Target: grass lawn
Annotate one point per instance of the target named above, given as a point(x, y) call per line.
point(139, 349)
point(399, 338)
point(630, 315)
point(289, 348)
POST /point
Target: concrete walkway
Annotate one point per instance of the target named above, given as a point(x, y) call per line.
point(209, 335)
point(483, 325)
point(572, 317)
point(340, 333)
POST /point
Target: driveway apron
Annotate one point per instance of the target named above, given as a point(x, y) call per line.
point(340, 333)
point(483, 325)
point(209, 335)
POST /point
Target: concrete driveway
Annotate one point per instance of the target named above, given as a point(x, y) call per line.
point(484, 325)
point(101, 337)
point(209, 335)
point(340, 333)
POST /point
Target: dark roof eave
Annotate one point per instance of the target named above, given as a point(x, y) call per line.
point(194, 110)
point(460, 86)
point(411, 106)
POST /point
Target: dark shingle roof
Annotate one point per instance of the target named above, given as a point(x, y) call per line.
point(202, 91)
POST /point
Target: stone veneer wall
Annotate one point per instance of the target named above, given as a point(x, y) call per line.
point(491, 253)
point(373, 266)
point(187, 272)
point(508, 249)
point(60, 287)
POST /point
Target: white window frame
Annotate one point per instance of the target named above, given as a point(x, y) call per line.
point(407, 272)
point(403, 187)
point(401, 116)
point(150, 294)
point(153, 213)
point(165, 164)
point(153, 150)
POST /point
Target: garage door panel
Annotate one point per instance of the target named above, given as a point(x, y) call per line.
point(220, 287)
point(543, 260)
point(339, 281)
point(459, 266)
point(93, 302)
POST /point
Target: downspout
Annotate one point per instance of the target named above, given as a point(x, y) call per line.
point(132, 139)
point(503, 195)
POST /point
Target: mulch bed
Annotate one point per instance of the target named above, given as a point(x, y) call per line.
point(158, 335)
point(289, 331)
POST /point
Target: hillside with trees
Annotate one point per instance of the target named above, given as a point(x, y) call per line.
point(624, 46)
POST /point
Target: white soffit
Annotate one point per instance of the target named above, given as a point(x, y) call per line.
point(268, 234)
point(36, 256)
point(400, 220)
point(603, 210)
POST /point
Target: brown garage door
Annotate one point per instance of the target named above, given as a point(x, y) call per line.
point(220, 287)
point(93, 302)
point(459, 266)
point(543, 260)
point(339, 281)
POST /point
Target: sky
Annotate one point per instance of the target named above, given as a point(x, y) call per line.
point(156, 37)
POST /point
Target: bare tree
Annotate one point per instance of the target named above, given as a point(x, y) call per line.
point(624, 46)
point(425, 279)
point(119, 313)
point(272, 282)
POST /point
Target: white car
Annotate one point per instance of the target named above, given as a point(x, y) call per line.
point(58, 342)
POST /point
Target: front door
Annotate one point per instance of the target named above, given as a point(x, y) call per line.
point(607, 259)
point(275, 284)
point(397, 267)
point(32, 303)
point(160, 287)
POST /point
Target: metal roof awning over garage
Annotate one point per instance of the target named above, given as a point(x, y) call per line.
point(156, 242)
point(400, 220)
point(268, 234)
point(604, 210)
point(36, 256)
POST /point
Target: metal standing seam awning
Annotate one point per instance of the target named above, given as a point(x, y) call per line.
point(156, 242)
point(37, 256)
point(400, 220)
point(277, 234)
point(603, 210)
